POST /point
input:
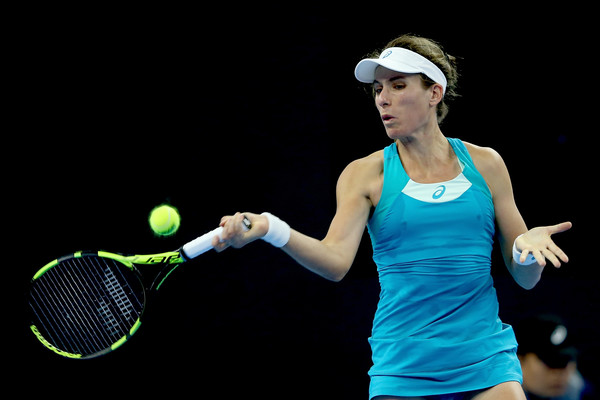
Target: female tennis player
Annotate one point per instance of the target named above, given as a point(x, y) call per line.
point(430, 204)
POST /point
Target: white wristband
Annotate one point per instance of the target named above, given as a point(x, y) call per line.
point(279, 232)
point(530, 259)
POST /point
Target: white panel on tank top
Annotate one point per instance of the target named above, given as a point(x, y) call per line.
point(440, 192)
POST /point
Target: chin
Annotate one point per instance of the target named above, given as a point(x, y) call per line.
point(396, 134)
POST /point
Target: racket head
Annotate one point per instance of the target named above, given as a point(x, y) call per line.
point(86, 304)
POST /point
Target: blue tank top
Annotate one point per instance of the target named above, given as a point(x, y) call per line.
point(436, 329)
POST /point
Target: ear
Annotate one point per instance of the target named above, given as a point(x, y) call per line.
point(437, 94)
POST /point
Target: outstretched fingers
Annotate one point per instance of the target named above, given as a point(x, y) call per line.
point(558, 228)
point(551, 252)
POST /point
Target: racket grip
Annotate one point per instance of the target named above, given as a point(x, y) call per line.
point(204, 243)
point(201, 244)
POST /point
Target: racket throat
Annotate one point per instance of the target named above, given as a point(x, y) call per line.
point(162, 276)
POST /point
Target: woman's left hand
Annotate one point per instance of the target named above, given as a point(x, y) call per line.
point(538, 242)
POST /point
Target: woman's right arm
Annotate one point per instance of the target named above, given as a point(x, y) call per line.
point(333, 256)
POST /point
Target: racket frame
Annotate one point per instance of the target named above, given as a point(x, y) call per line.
point(170, 261)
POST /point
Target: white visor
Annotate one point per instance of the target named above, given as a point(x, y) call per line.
point(400, 60)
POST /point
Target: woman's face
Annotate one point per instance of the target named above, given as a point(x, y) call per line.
point(405, 106)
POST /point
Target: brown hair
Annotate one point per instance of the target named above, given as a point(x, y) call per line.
point(433, 51)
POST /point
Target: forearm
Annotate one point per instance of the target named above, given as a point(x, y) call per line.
point(330, 258)
point(527, 276)
point(318, 256)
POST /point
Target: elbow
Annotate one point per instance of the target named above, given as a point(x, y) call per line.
point(337, 274)
point(336, 278)
point(527, 285)
point(527, 282)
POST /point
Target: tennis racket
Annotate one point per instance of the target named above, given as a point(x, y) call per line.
point(87, 304)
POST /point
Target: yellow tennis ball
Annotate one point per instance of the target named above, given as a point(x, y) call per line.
point(164, 220)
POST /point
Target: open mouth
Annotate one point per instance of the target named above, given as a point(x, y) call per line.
point(386, 117)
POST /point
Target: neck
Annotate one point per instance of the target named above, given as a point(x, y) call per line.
point(428, 157)
point(425, 145)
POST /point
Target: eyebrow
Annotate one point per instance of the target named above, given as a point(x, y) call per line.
point(392, 79)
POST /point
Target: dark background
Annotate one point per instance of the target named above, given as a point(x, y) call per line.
point(224, 110)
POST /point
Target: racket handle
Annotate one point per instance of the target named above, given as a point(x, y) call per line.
point(204, 243)
point(201, 244)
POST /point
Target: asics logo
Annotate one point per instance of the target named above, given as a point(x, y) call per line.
point(439, 192)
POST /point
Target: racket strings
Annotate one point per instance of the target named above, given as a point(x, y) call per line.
point(64, 312)
point(84, 305)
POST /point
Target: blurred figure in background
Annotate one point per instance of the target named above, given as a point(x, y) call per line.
point(549, 360)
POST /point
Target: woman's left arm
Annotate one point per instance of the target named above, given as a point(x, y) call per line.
point(512, 230)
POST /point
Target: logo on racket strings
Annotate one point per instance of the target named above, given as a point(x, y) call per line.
point(119, 300)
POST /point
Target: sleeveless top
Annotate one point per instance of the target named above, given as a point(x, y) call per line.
point(436, 329)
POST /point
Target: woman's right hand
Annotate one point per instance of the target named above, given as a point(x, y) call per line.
point(234, 233)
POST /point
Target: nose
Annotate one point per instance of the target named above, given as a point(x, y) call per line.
point(382, 98)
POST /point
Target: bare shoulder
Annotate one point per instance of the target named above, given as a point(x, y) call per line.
point(491, 166)
point(486, 159)
point(369, 166)
point(363, 176)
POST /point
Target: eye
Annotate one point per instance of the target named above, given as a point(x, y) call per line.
point(399, 86)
